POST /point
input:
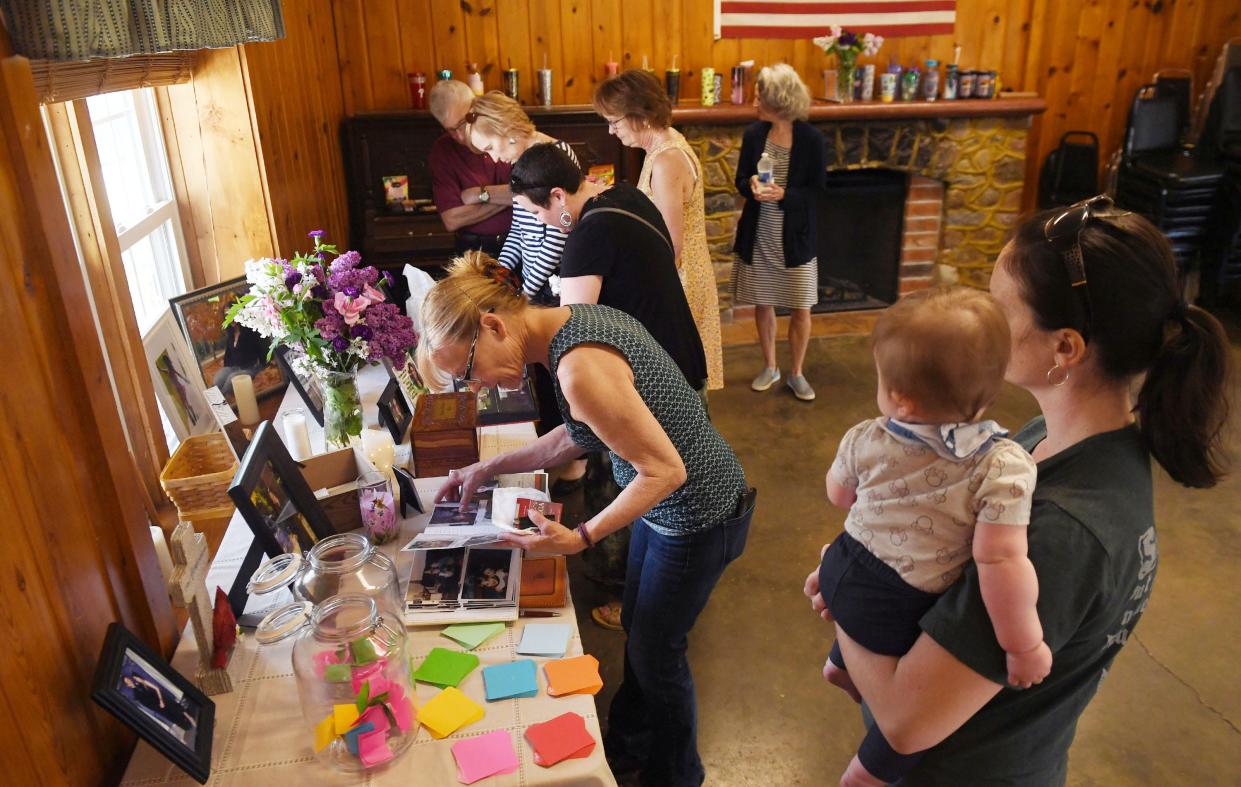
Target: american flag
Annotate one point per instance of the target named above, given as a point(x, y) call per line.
point(810, 18)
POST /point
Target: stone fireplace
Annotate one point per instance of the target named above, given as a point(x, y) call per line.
point(964, 191)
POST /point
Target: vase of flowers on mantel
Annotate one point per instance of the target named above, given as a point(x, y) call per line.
point(330, 311)
point(847, 46)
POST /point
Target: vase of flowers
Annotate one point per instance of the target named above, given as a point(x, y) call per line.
point(847, 46)
point(330, 310)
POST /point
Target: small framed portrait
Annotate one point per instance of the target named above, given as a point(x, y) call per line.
point(274, 498)
point(394, 412)
point(177, 387)
point(142, 690)
point(497, 406)
point(307, 386)
point(222, 353)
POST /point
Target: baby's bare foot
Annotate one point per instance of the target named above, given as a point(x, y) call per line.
point(841, 680)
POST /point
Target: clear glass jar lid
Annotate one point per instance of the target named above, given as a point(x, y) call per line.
point(283, 622)
point(274, 574)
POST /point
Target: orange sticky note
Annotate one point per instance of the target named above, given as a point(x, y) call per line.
point(345, 716)
point(325, 731)
point(449, 711)
point(577, 675)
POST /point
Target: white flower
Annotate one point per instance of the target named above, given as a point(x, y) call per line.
point(824, 42)
point(871, 44)
point(837, 30)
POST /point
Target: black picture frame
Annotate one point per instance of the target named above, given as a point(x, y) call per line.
point(273, 497)
point(394, 412)
point(306, 387)
point(507, 407)
point(409, 492)
point(145, 693)
point(200, 315)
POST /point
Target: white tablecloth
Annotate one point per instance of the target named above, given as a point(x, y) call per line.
point(260, 735)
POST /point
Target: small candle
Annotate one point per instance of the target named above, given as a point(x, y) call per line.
point(296, 435)
point(611, 68)
point(161, 552)
point(243, 393)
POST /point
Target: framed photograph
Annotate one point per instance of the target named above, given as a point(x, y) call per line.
point(274, 498)
point(407, 377)
point(222, 353)
point(177, 387)
point(394, 412)
point(507, 407)
point(307, 387)
point(166, 710)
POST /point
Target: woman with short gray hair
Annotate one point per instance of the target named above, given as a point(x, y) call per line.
point(777, 242)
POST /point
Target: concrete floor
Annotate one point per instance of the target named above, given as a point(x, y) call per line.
point(1169, 712)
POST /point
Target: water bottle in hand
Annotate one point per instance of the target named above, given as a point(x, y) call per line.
point(766, 175)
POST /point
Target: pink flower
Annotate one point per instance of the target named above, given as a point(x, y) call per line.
point(351, 308)
point(374, 295)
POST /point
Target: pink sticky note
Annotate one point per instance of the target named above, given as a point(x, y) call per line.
point(379, 684)
point(403, 710)
point(365, 673)
point(486, 755)
point(375, 715)
point(373, 748)
point(322, 659)
point(395, 691)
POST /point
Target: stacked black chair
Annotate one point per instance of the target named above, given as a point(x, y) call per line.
point(1222, 134)
point(1173, 186)
point(1070, 171)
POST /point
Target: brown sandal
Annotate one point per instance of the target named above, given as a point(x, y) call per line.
point(608, 616)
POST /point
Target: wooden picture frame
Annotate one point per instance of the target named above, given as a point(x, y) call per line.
point(394, 411)
point(307, 387)
point(177, 387)
point(164, 707)
point(273, 497)
point(200, 314)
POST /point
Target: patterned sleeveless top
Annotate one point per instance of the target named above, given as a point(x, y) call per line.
point(714, 477)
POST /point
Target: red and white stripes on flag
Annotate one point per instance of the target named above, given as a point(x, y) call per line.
point(810, 18)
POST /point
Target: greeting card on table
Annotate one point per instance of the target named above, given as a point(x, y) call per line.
point(515, 679)
point(444, 668)
point(544, 639)
point(487, 755)
point(471, 635)
point(564, 737)
point(447, 712)
point(578, 675)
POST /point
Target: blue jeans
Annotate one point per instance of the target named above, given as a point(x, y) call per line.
point(654, 716)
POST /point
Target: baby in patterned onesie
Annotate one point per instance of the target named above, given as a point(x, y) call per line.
point(929, 486)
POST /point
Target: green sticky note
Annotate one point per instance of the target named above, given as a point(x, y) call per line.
point(445, 668)
point(471, 635)
point(337, 673)
point(363, 651)
point(364, 696)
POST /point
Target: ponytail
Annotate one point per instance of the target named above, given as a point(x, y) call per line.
point(1183, 404)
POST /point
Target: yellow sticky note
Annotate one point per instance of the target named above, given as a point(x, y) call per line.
point(325, 731)
point(345, 716)
point(447, 712)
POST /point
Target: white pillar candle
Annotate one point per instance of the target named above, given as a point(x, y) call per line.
point(161, 552)
point(247, 405)
point(296, 435)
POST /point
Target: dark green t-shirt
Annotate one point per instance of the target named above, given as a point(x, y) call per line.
point(1092, 542)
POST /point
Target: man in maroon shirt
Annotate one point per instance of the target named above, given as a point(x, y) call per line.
point(470, 190)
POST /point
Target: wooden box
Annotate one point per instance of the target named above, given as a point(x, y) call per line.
point(444, 435)
point(329, 471)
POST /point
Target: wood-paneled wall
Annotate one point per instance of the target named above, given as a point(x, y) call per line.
point(348, 56)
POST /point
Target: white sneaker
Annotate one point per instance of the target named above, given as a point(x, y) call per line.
point(765, 379)
point(801, 388)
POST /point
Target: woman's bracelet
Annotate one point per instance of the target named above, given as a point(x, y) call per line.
point(581, 531)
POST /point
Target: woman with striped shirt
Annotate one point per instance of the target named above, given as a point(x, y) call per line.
point(500, 128)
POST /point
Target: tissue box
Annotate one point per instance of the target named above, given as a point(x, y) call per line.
point(337, 472)
point(444, 435)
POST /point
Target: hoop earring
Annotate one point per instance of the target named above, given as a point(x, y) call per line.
point(1056, 380)
point(566, 218)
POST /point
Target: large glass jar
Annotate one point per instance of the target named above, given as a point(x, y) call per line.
point(345, 563)
point(353, 679)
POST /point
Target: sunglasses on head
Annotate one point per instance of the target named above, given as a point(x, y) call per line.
point(469, 120)
point(1064, 232)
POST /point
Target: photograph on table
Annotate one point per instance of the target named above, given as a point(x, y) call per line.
point(307, 386)
point(486, 574)
point(273, 497)
point(436, 577)
point(497, 406)
point(177, 387)
point(394, 412)
point(451, 514)
point(222, 353)
point(164, 708)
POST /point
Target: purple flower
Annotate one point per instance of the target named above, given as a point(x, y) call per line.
point(847, 40)
point(320, 292)
point(362, 332)
point(351, 292)
point(292, 279)
point(315, 234)
point(340, 344)
point(389, 278)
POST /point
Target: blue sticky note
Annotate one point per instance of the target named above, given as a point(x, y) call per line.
point(516, 679)
point(544, 639)
point(351, 737)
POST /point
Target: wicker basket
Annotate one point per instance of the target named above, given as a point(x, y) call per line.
point(198, 475)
